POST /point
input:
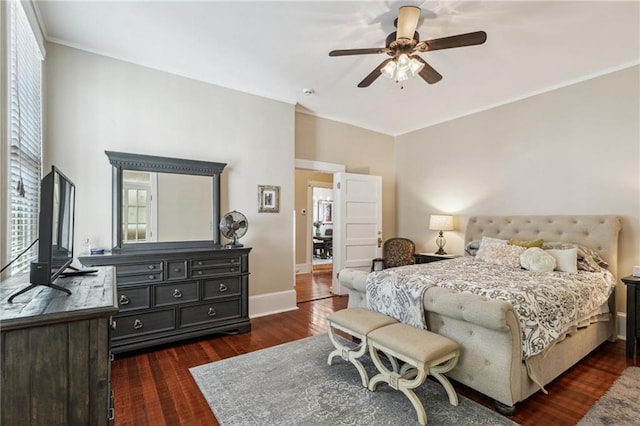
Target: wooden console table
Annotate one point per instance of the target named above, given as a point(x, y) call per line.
point(55, 358)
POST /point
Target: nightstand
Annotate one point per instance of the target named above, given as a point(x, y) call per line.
point(633, 308)
point(432, 257)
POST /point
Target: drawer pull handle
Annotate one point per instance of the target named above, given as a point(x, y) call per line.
point(233, 269)
point(124, 300)
point(211, 312)
point(114, 325)
point(177, 293)
point(200, 262)
point(223, 287)
point(137, 324)
point(233, 261)
point(200, 272)
point(152, 277)
point(152, 266)
point(177, 270)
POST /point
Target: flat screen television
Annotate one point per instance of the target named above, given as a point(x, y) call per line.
point(55, 232)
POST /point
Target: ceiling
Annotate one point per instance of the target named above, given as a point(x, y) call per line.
point(278, 49)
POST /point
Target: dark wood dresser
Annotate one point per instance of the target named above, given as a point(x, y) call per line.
point(56, 351)
point(166, 296)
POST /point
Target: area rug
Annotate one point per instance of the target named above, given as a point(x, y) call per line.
point(291, 384)
point(619, 406)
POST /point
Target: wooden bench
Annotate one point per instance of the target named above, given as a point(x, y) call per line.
point(357, 322)
point(423, 353)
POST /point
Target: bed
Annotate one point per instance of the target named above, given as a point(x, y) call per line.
point(490, 331)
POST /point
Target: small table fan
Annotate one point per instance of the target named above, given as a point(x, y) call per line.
point(233, 226)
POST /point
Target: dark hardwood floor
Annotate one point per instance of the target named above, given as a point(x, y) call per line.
point(154, 387)
point(314, 286)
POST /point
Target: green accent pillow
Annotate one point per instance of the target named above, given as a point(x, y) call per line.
point(527, 243)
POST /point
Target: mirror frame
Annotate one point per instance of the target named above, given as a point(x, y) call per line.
point(121, 161)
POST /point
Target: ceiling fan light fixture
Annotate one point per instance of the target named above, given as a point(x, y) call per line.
point(389, 69)
point(403, 61)
point(402, 67)
point(402, 74)
point(415, 66)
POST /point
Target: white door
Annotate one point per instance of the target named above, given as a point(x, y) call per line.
point(359, 217)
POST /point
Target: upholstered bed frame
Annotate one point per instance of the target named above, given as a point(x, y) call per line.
point(489, 330)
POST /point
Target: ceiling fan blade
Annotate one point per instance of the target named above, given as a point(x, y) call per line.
point(374, 74)
point(427, 73)
point(408, 17)
point(460, 40)
point(348, 52)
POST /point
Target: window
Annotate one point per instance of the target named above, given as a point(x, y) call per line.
point(25, 133)
point(139, 206)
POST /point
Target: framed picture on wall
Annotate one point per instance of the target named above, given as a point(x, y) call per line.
point(268, 199)
point(325, 211)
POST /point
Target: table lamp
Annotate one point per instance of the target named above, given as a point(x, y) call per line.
point(441, 222)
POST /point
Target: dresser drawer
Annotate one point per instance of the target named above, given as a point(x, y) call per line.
point(139, 268)
point(209, 312)
point(217, 261)
point(225, 286)
point(143, 323)
point(215, 271)
point(149, 277)
point(133, 298)
point(170, 294)
point(176, 270)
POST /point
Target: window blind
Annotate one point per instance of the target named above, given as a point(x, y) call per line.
point(25, 109)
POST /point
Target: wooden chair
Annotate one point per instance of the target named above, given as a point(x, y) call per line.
point(396, 251)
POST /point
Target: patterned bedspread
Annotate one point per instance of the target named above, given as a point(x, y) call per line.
point(547, 303)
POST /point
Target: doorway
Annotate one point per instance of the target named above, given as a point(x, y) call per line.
point(313, 273)
point(321, 194)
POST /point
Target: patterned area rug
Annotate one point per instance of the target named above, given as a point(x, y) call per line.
point(619, 406)
point(292, 384)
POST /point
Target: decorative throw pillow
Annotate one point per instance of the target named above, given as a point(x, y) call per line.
point(503, 254)
point(566, 259)
point(527, 243)
point(472, 247)
point(588, 259)
point(537, 260)
point(487, 242)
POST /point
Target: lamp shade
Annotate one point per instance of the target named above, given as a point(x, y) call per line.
point(441, 222)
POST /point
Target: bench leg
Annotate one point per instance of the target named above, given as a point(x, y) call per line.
point(438, 372)
point(399, 381)
point(349, 354)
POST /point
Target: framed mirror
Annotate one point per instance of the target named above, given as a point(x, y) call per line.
point(164, 203)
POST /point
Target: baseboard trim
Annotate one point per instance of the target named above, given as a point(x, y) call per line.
point(303, 268)
point(272, 303)
point(622, 325)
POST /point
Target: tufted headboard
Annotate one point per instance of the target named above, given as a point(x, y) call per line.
point(597, 232)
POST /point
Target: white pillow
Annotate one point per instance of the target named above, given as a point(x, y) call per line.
point(537, 260)
point(485, 243)
point(566, 259)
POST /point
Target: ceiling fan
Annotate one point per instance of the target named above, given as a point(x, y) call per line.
point(402, 45)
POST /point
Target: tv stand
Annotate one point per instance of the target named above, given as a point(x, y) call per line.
point(55, 353)
point(32, 286)
point(77, 271)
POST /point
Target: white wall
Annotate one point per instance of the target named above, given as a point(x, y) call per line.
point(94, 103)
point(360, 150)
point(574, 150)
